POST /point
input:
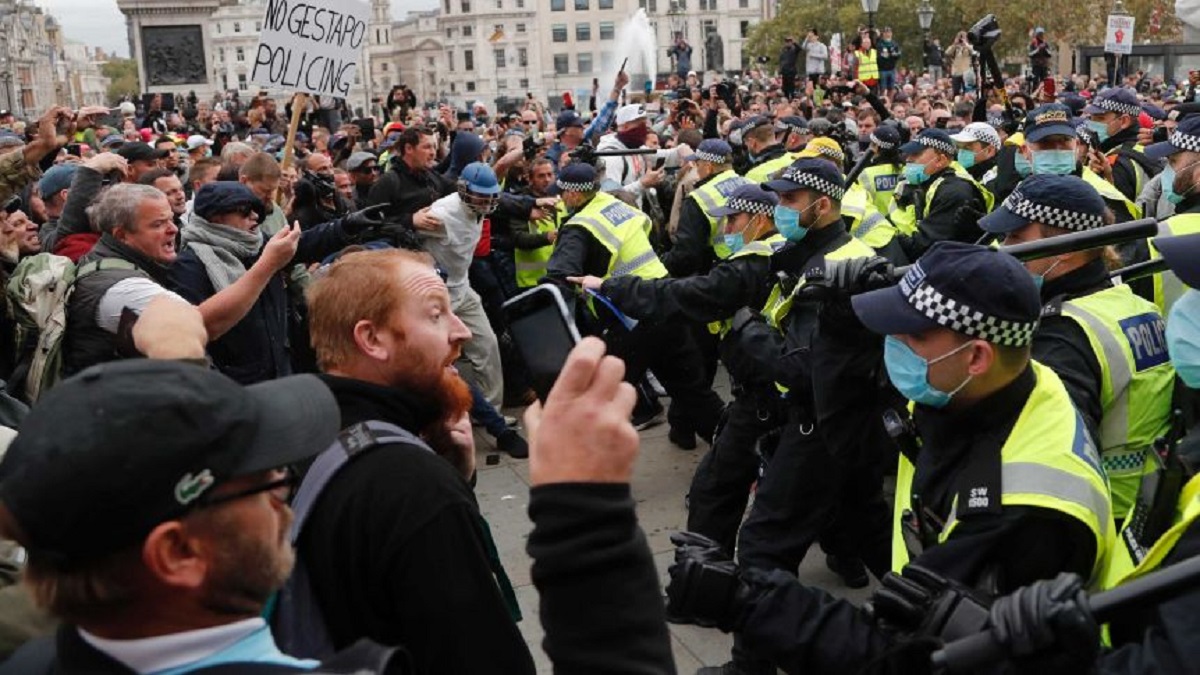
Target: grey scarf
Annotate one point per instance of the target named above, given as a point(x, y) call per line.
point(221, 249)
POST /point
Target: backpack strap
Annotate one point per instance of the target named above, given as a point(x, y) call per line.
point(103, 264)
point(351, 442)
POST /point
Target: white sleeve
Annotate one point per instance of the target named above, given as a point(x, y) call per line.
point(134, 293)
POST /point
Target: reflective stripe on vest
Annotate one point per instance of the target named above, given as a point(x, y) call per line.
point(1126, 334)
point(1122, 568)
point(1109, 191)
point(765, 247)
point(1167, 287)
point(763, 172)
point(622, 230)
point(714, 194)
point(866, 223)
point(1048, 462)
point(531, 263)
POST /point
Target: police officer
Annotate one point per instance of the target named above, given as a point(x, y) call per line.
point(880, 177)
point(978, 143)
point(926, 210)
point(1104, 342)
point(721, 486)
point(767, 154)
point(533, 246)
point(698, 239)
point(1181, 187)
point(1113, 117)
point(605, 237)
point(806, 485)
point(793, 132)
point(1055, 629)
point(1005, 487)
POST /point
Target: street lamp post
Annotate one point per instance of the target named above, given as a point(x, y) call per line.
point(925, 17)
point(870, 7)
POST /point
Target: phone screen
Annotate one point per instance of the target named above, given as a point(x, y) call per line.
point(545, 333)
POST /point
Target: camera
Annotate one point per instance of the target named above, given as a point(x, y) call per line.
point(984, 33)
point(763, 59)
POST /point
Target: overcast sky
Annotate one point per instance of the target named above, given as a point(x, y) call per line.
point(100, 24)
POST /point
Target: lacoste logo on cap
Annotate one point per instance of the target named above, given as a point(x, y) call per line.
point(190, 487)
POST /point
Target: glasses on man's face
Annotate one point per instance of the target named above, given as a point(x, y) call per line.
point(244, 211)
point(281, 490)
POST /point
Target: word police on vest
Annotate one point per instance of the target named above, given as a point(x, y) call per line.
point(311, 46)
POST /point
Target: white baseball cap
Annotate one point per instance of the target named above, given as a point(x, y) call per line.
point(629, 113)
point(196, 140)
point(978, 131)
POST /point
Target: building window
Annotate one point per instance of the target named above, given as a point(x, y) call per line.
point(744, 4)
point(237, 26)
point(499, 58)
point(450, 60)
point(241, 54)
point(605, 4)
point(502, 84)
point(241, 81)
point(429, 61)
point(584, 61)
point(466, 6)
point(524, 84)
point(257, 26)
point(607, 30)
point(468, 60)
point(522, 57)
point(558, 32)
point(225, 81)
point(581, 4)
point(221, 54)
point(468, 31)
point(447, 4)
point(471, 86)
point(561, 66)
point(453, 88)
point(383, 66)
point(583, 32)
point(744, 28)
point(708, 5)
point(651, 6)
point(449, 33)
point(520, 28)
point(218, 33)
point(558, 5)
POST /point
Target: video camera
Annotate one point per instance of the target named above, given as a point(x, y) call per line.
point(985, 32)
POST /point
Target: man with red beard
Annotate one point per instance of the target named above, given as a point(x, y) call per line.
point(394, 546)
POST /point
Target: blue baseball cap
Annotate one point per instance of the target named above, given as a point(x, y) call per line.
point(56, 179)
point(577, 177)
point(480, 179)
point(1065, 202)
point(1182, 254)
point(810, 174)
point(1120, 100)
point(568, 118)
point(886, 137)
point(749, 198)
point(791, 123)
point(938, 139)
point(113, 141)
point(213, 199)
point(1050, 119)
point(1185, 138)
point(977, 291)
point(712, 150)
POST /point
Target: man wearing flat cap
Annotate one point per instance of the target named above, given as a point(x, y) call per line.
point(1003, 489)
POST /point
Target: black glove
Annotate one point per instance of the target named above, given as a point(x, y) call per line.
point(968, 214)
point(705, 588)
point(851, 276)
point(357, 222)
point(921, 602)
point(1047, 626)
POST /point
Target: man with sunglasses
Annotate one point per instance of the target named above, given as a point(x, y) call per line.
point(156, 522)
point(364, 170)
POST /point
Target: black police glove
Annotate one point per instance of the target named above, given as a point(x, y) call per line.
point(357, 222)
point(968, 214)
point(852, 275)
point(1047, 626)
point(705, 588)
point(922, 603)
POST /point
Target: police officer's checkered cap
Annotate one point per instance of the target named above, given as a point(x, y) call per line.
point(962, 318)
point(749, 206)
point(1185, 142)
point(1111, 104)
point(567, 186)
point(577, 178)
point(711, 157)
point(982, 133)
point(1050, 214)
point(791, 124)
point(830, 151)
point(883, 145)
point(806, 177)
point(937, 144)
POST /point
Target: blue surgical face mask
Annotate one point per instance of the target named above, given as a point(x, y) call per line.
point(1168, 185)
point(1100, 129)
point(966, 158)
point(735, 242)
point(1022, 165)
point(1039, 280)
point(915, 173)
point(787, 221)
point(1183, 338)
point(1055, 162)
point(909, 373)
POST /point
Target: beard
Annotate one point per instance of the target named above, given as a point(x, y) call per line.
point(247, 567)
point(453, 399)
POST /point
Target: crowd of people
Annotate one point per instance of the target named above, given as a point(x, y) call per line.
point(242, 372)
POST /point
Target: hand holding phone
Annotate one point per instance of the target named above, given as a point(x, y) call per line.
point(544, 331)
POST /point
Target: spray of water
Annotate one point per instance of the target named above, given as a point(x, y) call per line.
point(636, 42)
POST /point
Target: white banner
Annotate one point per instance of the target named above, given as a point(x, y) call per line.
point(311, 46)
point(1118, 39)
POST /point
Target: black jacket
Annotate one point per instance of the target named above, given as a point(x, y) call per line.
point(938, 220)
point(692, 251)
point(395, 550)
point(728, 286)
point(257, 348)
point(804, 629)
point(407, 191)
point(1124, 169)
point(601, 604)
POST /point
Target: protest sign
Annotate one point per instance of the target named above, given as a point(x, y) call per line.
point(311, 46)
point(1118, 39)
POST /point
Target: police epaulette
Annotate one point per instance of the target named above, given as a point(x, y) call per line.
point(1053, 306)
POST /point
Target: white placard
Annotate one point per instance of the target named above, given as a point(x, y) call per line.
point(1118, 39)
point(311, 46)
